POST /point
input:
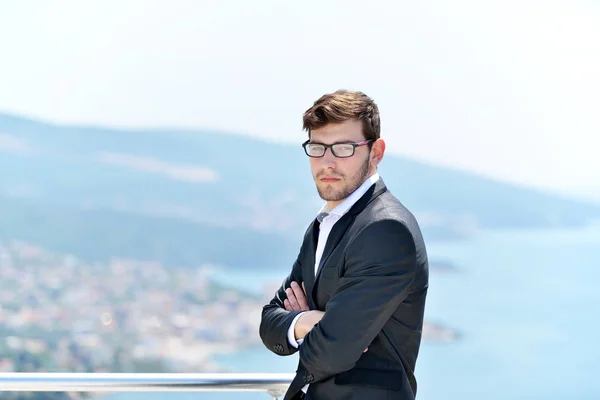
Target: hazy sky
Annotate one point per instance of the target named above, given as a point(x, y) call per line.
point(509, 89)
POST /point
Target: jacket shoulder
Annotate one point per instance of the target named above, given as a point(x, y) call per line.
point(388, 207)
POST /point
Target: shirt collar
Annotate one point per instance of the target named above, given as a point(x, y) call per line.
point(349, 201)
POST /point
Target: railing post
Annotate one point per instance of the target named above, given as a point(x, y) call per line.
point(275, 394)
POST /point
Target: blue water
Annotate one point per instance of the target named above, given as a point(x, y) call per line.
point(526, 303)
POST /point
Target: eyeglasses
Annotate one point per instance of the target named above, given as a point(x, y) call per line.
point(340, 150)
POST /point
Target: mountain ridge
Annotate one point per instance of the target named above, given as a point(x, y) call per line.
point(225, 189)
point(19, 119)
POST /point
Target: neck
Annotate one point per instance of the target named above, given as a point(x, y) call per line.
point(333, 204)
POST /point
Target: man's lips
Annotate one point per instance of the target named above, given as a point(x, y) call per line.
point(329, 179)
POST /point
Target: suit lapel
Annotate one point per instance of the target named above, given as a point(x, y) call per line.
point(336, 234)
point(308, 265)
point(341, 226)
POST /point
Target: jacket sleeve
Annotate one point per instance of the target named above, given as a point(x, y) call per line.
point(380, 267)
point(276, 320)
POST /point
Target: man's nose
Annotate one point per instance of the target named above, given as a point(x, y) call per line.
point(328, 159)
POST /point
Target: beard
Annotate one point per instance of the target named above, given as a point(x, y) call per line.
point(328, 193)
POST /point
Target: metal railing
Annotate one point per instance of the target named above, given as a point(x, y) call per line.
point(273, 384)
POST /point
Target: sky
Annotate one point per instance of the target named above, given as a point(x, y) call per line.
point(507, 89)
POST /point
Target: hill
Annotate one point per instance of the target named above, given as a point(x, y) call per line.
point(192, 197)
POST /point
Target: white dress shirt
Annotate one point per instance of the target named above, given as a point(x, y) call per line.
point(326, 224)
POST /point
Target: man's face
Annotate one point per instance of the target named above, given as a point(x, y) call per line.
point(336, 178)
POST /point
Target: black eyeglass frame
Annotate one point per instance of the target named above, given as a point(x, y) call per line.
point(330, 146)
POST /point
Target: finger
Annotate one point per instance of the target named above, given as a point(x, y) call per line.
point(366, 350)
point(303, 289)
point(287, 305)
point(291, 297)
point(300, 297)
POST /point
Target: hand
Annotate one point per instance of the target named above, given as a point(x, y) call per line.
point(306, 322)
point(296, 301)
point(296, 298)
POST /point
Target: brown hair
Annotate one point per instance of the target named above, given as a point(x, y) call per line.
point(344, 105)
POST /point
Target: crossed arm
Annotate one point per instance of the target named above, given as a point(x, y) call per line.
point(296, 302)
point(306, 319)
point(276, 320)
point(380, 268)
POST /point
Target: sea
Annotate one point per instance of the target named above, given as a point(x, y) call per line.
point(526, 304)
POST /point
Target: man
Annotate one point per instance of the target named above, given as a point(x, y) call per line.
point(353, 304)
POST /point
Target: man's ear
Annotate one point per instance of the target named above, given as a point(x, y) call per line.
point(377, 152)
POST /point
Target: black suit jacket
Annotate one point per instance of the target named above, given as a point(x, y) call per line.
point(372, 283)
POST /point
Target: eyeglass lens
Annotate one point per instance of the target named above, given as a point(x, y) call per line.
point(339, 150)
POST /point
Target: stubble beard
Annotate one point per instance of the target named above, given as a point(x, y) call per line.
point(328, 193)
